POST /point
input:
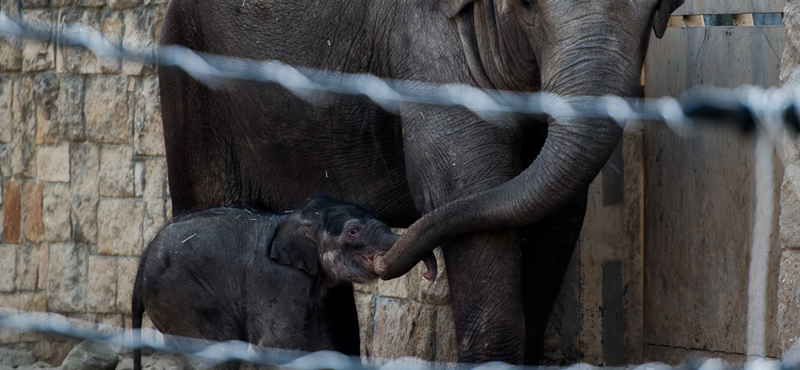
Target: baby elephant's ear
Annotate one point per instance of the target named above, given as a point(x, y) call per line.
point(292, 245)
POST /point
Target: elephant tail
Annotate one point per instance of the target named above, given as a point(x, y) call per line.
point(137, 311)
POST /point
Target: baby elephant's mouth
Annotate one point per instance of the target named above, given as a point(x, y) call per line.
point(366, 259)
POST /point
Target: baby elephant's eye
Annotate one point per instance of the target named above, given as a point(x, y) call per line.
point(353, 232)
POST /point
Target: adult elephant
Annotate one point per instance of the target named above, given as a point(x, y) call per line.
point(475, 183)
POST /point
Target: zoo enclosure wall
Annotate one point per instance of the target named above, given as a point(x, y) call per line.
point(84, 189)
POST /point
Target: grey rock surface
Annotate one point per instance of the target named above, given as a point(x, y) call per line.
point(89, 355)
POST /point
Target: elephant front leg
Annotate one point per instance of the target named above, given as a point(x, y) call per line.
point(451, 153)
point(483, 270)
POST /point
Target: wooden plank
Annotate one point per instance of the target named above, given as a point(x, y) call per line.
point(730, 7)
point(699, 208)
point(718, 56)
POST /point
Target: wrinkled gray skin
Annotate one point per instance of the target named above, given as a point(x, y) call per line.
point(480, 187)
point(229, 273)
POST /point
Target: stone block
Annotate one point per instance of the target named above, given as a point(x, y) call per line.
point(72, 60)
point(53, 350)
point(33, 4)
point(421, 290)
point(367, 288)
point(158, 15)
point(790, 207)
point(404, 328)
point(6, 98)
point(53, 163)
point(23, 129)
point(120, 227)
point(148, 134)
point(57, 4)
point(106, 110)
point(101, 294)
point(45, 96)
point(139, 36)
point(70, 108)
point(789, 298)
point(446, 341)
point(43, 268)
point(90, 3)
point(116, 171)
point(84, 172)
point(11, 48)
point(111, 320)
point(790, 60)
point(9, 303)
point(32, 302)
point(124, 4)
point(67, 277)
point(55, 207)
point(126, 270)
point(27, 267)
point(81, 61)
point(111, 29)
point(8, 268)
point(12, 8)
point(10, 55)
point(154, 195)
point(5, 161)
point(39, 55)
point(395, 288)
point(12, 212)
point(366, 321)
point(32, 225)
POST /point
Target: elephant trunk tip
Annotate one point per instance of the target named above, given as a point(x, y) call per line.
point(430, 264)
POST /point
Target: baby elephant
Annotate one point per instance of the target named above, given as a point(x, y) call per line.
point(229, 273)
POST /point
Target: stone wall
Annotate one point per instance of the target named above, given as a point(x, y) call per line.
point(82, 162)
point(789, 278)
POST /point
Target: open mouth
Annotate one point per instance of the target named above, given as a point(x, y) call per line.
point(366, 259)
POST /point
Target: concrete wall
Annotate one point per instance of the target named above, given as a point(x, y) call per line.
point(82, 163)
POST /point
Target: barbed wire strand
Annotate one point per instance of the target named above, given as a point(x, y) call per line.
point(745, 106)
point(773, 110)
point(212, 353)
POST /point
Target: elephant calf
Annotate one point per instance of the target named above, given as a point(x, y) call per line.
point(229, 273)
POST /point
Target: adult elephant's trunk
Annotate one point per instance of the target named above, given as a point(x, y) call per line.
point(574, 152)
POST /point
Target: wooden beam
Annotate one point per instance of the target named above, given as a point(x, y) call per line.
point(730, 7)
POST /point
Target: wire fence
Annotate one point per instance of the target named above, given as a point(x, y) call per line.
point(748, 108)
point(210, 353)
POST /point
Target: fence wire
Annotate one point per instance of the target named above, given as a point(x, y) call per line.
point(747, 107)
point(772, 110)
point(210, 353)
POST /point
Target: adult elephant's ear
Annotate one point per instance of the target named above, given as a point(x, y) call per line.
point(451, 7)
point(661, 16)
point(293, 244)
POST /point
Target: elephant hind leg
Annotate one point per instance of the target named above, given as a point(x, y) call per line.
point(484, 274)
